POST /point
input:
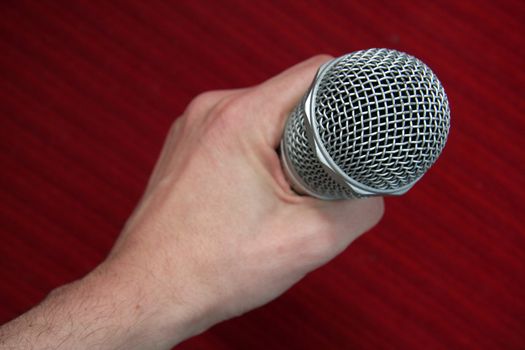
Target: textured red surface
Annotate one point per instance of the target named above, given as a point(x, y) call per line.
point(89, 89)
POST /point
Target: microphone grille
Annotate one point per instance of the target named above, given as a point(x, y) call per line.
point(304, 162)
point(380, 116)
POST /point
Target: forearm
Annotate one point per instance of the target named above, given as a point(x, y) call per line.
point(101, 311)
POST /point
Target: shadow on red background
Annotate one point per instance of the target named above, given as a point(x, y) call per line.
point(89, 90)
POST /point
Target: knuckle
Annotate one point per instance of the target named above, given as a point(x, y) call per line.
point(200, 103)
point(322, 237)
point(206, 98)
point(175, 126)
point(320, 246)
point(322, 57)
point(228, 111)
point(377, 210)
point(179, 126)
point(216, 105)
point(204, 102)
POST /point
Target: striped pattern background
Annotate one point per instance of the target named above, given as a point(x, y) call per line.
point(89, 89)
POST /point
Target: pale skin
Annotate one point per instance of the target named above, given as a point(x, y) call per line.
point(218, 232)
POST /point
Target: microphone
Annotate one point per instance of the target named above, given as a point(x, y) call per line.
point(372, 123)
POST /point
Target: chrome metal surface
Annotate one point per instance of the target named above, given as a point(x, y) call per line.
point(373, 123)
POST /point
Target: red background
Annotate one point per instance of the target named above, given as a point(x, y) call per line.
point(89, 89)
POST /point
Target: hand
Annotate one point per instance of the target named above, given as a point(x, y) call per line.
point(218, 231)
point(218, 226)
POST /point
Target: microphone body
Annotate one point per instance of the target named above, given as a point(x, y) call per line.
point(372, 123)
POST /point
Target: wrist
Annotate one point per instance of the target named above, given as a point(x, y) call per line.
point(154, 313)
point(111, 311)
point(104, 310)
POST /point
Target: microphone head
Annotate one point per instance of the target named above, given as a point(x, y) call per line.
point(373, 122)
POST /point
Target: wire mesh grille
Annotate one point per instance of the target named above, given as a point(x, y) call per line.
point(305, 162)
point(383, 118)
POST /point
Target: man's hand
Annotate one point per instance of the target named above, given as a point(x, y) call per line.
point(218, 231)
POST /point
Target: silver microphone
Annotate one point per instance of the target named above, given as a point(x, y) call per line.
point(372, 123)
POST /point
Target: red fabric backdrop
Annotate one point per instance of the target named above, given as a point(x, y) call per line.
point(89, 89)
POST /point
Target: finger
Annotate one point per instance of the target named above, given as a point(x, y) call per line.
point(347, 220)
point(271, 102)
